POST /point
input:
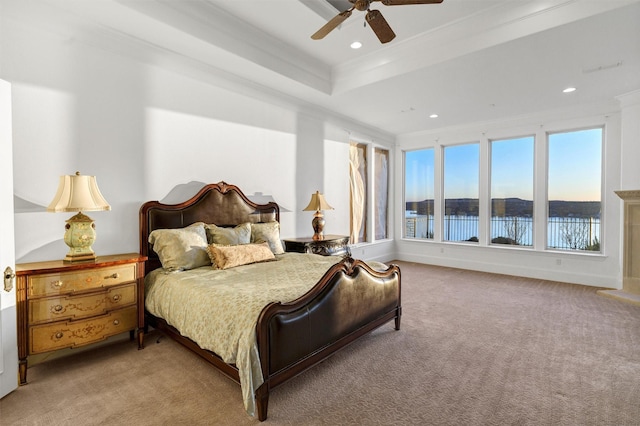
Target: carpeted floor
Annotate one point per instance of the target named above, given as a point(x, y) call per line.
point(474, 349)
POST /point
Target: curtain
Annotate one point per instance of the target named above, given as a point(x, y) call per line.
point(381, 188)
point(358, 194)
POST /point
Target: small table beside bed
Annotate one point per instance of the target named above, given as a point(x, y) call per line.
point(219, 282)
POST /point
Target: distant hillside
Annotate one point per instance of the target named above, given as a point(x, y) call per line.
point(509, 207)
point(583, 208)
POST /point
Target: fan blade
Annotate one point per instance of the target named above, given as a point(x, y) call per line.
point(379, 26)
point(403, 2)
point(331, 25)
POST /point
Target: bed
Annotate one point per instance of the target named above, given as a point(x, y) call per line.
point(315, 304)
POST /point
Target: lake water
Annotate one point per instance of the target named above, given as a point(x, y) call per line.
point(562, 232)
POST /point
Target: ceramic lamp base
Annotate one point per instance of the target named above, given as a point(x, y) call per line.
point(318, 226)
point(80, 235)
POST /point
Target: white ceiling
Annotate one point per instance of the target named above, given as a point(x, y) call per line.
point(466, 60)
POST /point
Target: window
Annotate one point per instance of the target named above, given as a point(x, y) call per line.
point(512, 191)
point(461, 187)
point(541, 191)
point(381, 195)
point(574, 190)
point(419, 193)
point(358, 191)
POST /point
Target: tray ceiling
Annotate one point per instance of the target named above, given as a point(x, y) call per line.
point(466, 60)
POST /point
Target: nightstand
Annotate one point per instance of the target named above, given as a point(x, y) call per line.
point(67, 305)
point(331, 245)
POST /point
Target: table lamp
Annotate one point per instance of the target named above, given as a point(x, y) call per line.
point(78, 193)
point(317, 204)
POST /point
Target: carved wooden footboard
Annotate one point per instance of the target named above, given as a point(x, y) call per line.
point(350, 300)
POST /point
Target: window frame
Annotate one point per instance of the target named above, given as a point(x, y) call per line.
point(556, 131)
point(490, 142)
point(404, 194)
point(539, 133)
point(443, 212)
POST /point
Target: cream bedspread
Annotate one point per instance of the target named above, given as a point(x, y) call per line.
point(218, 309)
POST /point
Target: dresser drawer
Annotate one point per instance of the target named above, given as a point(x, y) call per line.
point(73, 281)
point(76, 307)
point(69, 334)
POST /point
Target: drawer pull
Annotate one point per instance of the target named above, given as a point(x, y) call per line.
point(117, 297)
point(57, 308)
point(116, 322)
point(57, 283)
point(59, 335)
point(114, 276)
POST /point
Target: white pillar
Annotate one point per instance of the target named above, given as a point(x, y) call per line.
point(630, 134)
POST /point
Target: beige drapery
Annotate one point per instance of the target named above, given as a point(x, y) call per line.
point(357, 175)
point(381, 188)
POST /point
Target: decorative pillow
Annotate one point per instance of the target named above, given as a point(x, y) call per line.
point(241, 234)
point(180, 249)
point(267, 232)
point(225, 257)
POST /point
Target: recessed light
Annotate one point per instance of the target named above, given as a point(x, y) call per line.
point(433, 116)
point(569, 90)
point(356, 45)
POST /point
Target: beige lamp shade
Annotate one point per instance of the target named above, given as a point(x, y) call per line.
point(317, 203)
point(78, 193)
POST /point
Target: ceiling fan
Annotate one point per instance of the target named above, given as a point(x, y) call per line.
point(374, 18)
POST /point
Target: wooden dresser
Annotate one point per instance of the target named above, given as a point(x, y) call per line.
point(66, 305)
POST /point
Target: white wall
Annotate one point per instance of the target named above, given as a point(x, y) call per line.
point(582, 268)
point(336, 188)
point(142, 130)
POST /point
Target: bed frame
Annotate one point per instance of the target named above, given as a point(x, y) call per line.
point(291, 337)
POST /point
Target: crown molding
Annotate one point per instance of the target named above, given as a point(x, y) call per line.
point(219, 29)
point(629, 99)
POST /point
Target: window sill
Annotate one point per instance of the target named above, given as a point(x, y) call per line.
point(511, 248)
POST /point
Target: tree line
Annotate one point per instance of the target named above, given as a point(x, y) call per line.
point(509, 207)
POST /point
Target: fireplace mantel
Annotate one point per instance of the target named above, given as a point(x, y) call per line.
point(630, 250)
point(629, 195)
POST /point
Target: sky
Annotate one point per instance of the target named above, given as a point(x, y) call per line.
point(574, 168)
point(419, 174)
point(575, 165)
point(512, 168)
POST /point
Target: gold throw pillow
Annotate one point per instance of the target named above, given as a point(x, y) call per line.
point(225, 257)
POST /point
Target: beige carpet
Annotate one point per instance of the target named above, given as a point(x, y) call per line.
point(474, 349)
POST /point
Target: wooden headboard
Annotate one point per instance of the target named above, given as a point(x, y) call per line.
point(218, 203)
